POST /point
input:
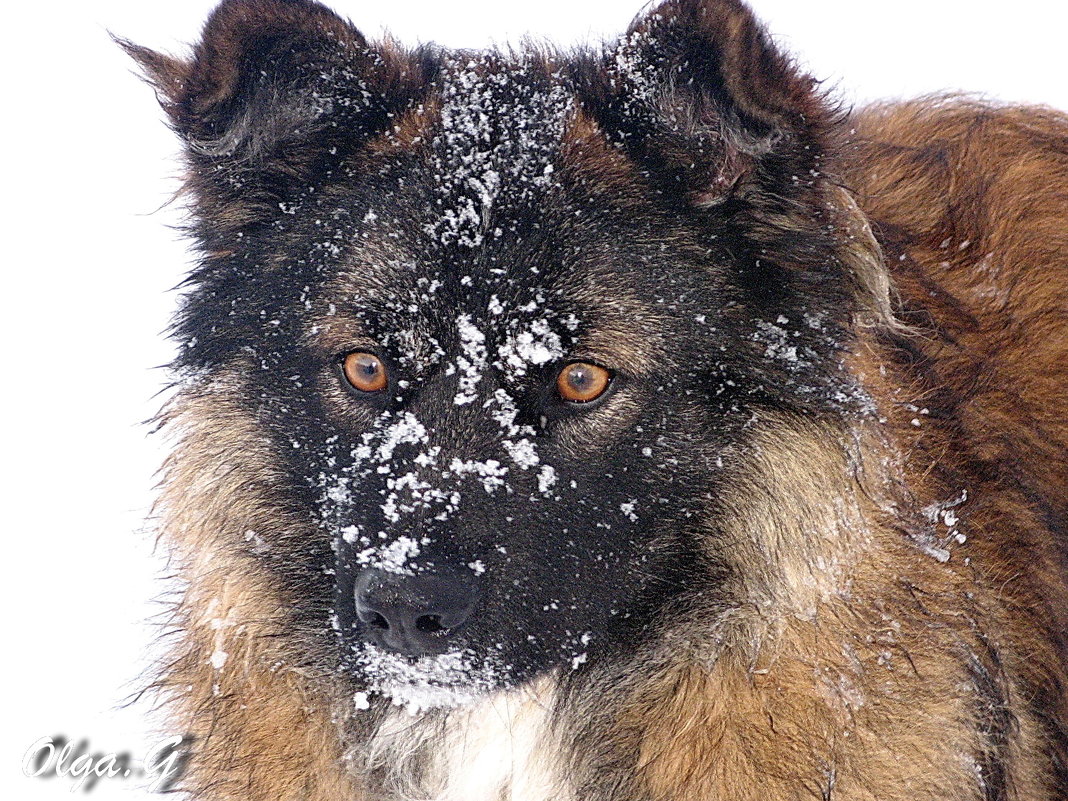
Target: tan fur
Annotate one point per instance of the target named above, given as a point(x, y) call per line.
point(264, 711)
point(837, 670)
point(835, 682)
point(865, 687)
point(898, 580)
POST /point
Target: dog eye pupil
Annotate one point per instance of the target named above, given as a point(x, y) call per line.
point(582, 382)
point(365, 372)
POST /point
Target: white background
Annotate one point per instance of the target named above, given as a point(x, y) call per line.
point(90, 253)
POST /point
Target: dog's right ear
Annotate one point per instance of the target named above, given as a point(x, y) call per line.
point(273, 81)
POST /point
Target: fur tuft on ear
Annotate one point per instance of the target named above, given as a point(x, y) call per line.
point(166, 74)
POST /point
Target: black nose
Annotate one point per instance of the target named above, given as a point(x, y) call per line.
point(414, 615)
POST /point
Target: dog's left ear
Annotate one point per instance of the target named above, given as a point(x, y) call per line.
point(703, 100)
point(723, 124)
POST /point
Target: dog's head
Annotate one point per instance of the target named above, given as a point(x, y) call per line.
point(501, 322)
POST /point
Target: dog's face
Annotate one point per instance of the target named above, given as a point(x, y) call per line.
point(535, 370)
point(503, 323)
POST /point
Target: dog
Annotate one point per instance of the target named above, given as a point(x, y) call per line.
point(624, 424)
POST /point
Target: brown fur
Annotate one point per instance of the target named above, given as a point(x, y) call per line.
point(264, 707)
point(857, 688)
point(847, 678)
point(966, 200)
point(904, 633)
point(839, 685)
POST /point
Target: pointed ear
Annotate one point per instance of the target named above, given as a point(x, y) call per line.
point(702, 98)
point(279, 77)
point(724, 126)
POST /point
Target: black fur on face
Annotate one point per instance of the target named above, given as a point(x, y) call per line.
point(478, 221)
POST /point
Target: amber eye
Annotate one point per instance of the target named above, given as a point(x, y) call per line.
point(365, 372)
point(581, 382)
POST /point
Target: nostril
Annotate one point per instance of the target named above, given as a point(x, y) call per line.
point(414, 615)
point(430, 624)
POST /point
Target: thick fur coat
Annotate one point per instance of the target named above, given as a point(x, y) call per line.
point(811, 542)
